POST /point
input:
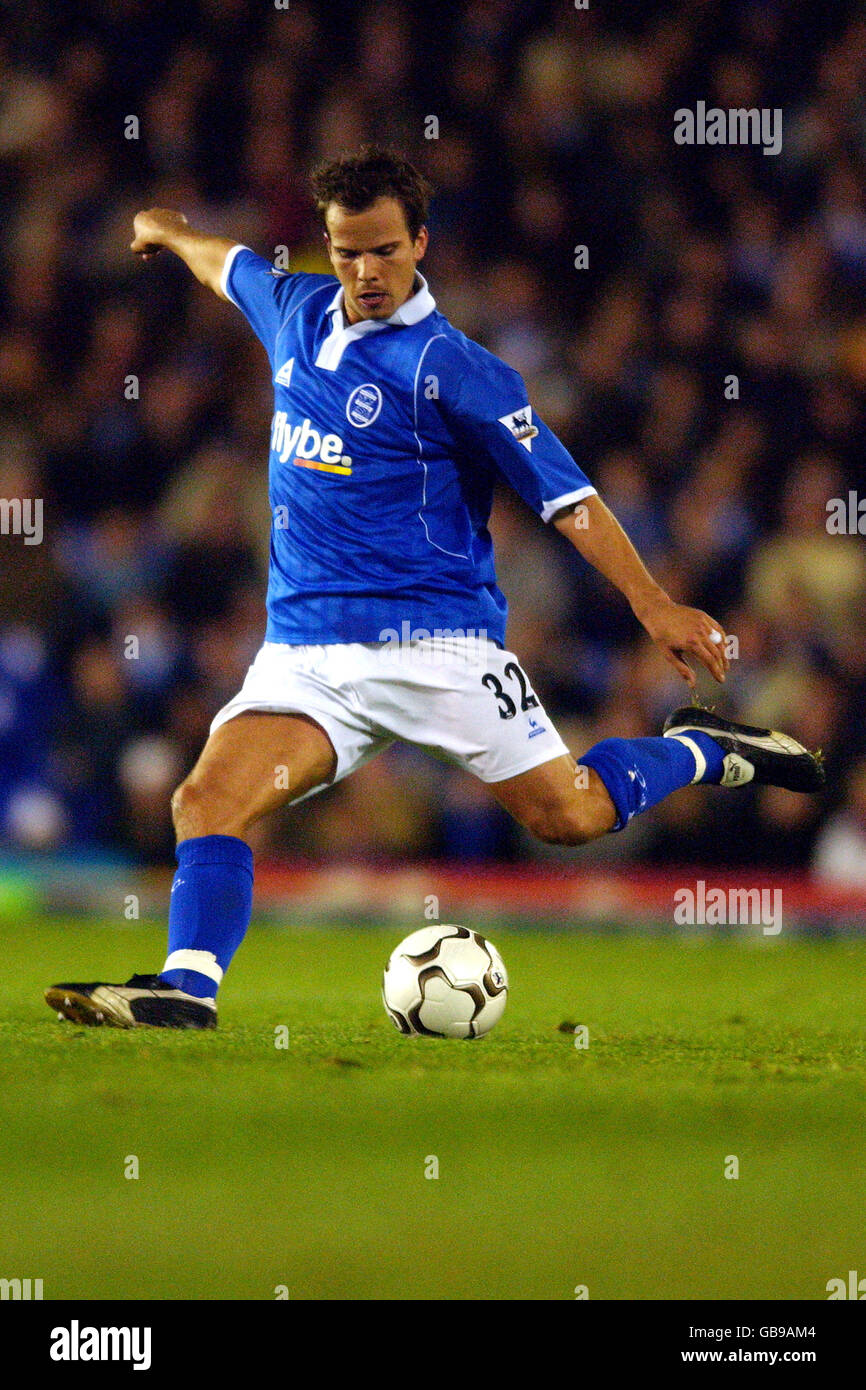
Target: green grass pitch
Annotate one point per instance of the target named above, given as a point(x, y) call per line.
point(559, 1167)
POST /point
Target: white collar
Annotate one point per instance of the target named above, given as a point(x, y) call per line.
point(415, 308)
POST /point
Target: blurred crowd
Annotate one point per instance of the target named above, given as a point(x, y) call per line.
point(705, 362)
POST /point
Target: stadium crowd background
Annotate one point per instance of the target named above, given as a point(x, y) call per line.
point(555, 129)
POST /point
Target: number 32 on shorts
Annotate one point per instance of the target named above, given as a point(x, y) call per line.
point(507, 707)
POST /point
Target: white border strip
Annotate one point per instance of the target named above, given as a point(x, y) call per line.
point(227, 265)
point(203, 962)
point(700, 760)
point(551, 507)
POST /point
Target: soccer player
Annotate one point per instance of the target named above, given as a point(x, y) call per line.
point(384, 617)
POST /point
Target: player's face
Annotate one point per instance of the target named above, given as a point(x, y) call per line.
point(374, 257)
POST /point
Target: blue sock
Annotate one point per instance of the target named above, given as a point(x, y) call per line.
point(211, 905)
point(640, 772)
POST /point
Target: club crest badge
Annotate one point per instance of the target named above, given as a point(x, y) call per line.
point(363, 405)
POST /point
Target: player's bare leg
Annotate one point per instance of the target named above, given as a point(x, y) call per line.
point(570, 803)
point(558, 802)
point(249, 766)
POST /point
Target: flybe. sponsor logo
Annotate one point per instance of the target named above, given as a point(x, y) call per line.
point(310, 448)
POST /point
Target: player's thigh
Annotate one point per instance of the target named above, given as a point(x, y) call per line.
point(558, 801)
point(249, 766)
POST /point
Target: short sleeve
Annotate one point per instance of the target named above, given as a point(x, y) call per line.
point(263, 294)
point(486, 405)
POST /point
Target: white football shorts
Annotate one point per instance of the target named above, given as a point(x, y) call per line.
point(463, 699)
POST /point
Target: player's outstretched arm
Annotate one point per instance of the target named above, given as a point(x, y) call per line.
point(205, 255)
point(676, 629)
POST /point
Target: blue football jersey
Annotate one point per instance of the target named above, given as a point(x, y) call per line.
point(386, 443)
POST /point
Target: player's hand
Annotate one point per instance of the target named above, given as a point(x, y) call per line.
point(154, 229)
point(678, 630)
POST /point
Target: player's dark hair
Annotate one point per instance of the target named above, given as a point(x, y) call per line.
point(356, 181)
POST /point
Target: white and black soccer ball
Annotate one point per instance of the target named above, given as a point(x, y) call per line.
point(445, 982)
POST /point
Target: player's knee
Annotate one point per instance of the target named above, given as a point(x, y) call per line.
point(566, 825)
point(185, 804)
point(198, 809)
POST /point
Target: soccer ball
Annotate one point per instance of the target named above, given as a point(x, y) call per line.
point(445, 982)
